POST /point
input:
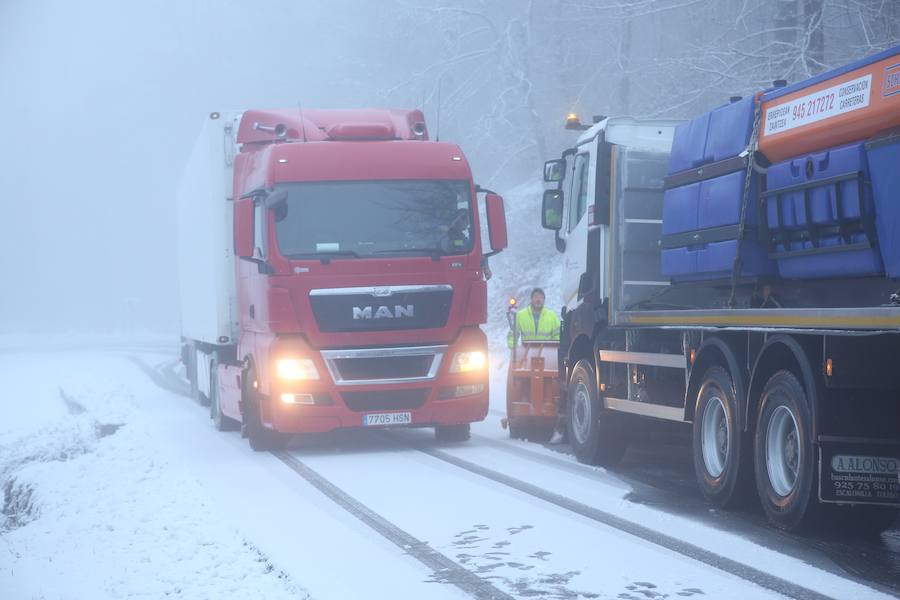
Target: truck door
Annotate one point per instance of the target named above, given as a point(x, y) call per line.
point(576, 226)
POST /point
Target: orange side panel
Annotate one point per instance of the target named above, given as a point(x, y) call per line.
point(853, 106)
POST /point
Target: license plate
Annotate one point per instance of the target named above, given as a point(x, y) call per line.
point(382, 419)
point(866, 474)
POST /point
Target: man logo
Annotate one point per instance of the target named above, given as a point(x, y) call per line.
point(383, 312)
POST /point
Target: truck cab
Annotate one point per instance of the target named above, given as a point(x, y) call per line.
point(356, 286)
point(579, 210)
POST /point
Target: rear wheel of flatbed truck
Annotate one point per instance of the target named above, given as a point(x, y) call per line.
point(261, 438)
point(594, 438)
point(723, 460)
point(784, 456)
point(452, 433)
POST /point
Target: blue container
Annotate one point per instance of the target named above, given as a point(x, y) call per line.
point(821, 206)
point(680, 207)
point(717, 135)
point(850, 263)
point(679, 263)
point(715, 260)
point(689, 145)
point(730, 127)
point(884, 171)
point(707, 209)
point(711, 203)
point(720, 201)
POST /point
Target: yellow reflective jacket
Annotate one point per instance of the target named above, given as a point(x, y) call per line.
point(547, 327)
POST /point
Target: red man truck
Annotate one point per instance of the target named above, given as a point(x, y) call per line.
point(332, 274)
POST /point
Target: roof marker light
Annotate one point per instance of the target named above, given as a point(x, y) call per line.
point(573, 122)
point(282, 160)
point(214, 115)
point(457, 158)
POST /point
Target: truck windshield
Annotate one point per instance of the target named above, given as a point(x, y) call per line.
point(355, 219)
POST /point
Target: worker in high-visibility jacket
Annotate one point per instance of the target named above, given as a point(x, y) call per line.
point(537, 323)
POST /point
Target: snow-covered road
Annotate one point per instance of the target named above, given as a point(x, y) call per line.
point(115, 486)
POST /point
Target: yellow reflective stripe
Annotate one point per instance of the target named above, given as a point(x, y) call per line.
point(764, 320)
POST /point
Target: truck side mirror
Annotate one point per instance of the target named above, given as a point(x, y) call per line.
point(551, 210)
point(555, 170)
point(276, 199)
point(243, 228)
point(496, 218)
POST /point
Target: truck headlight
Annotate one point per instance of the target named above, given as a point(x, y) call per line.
point(294, 369)
point(468, 362)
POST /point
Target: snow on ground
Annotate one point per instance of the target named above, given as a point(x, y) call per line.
point(525, 547)
point(92, 508)
point(115, 488)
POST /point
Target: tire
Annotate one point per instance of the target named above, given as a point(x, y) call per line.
point(261, 438)
point(722, 460)
point(219, 420)
point(452, 433)
point(784, 454)
point(593, 438)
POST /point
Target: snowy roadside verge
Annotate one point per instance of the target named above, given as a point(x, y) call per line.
point(93, 509)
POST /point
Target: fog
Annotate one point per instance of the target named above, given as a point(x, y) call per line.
point(102, 101)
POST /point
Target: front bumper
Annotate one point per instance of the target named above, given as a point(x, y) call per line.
point(442, 398)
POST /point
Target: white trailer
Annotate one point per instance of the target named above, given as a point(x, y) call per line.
point(205, 249)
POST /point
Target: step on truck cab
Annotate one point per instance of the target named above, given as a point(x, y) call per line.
point(739, 273)
point(332, 274)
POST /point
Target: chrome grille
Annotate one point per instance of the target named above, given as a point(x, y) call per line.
point(366, 366)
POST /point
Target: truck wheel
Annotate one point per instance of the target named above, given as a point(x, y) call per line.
point(783, 453)
point(452, 433)
point(261, 438)
point(721, 462)
point(219, 420)
point(593, 438)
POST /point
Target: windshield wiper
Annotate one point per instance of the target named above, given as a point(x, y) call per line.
point(435, 253)
point(325, 257)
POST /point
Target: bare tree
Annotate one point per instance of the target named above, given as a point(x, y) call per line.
point(509, 70)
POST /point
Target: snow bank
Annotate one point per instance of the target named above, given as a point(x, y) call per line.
point(92, 509)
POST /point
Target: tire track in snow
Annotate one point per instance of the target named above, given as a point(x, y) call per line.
point(822, 553)
point(746, 572)
point(445, 569)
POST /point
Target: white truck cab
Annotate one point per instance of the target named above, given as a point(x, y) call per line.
point(585, 178)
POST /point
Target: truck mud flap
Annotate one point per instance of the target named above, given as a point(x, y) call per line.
point(859, 473)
